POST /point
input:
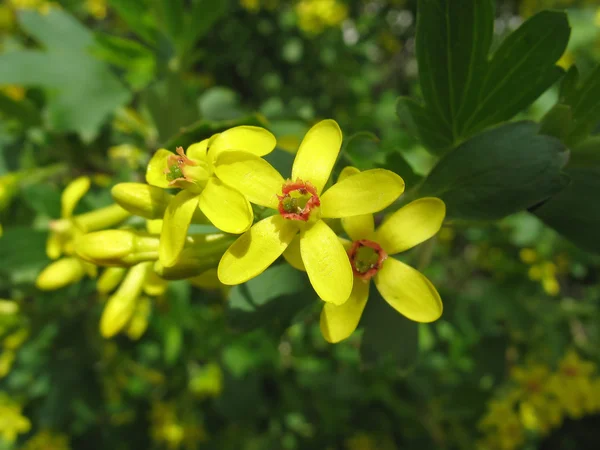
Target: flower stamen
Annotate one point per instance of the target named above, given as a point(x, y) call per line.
point(175, 165)
point(298, 200)
point(366, 258)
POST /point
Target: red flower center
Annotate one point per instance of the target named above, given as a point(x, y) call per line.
point(366, 258)
point(298, 200)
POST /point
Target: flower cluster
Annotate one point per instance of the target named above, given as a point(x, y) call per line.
point(545, 271)
point(537, 401)
point(314, 16)
point(223, 181)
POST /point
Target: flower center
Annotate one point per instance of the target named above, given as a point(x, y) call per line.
point(298, 200)
point(366, 258)
point(182, 170)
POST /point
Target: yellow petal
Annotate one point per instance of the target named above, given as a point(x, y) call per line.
point(293, 256)
point(326, 263)
point(364, 193)
point(197, 151)
point(359, 227)
point(155, 173)
point(255, 140)
point(317, 153)
point(252, 176)
point(54, 245)
point(60, 273)
point(339, 321)
point(256, 250)
point(72, 194)
point(408, 291)
point(346, 172)
point(226, 208)
point(411, 225)
point(176, 222)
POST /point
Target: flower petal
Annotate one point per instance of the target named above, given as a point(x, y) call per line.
point(346, 172)
point(256, 249)
point(226, 208)
point(408, 291)
point(255, 140)
point(364, 193)
point(293, 256)
point(326, 263)
point(176, 222)
point(252, 176)
point(198, 150)
point(155, 172)
point(339, 321)
point(317, 153)
point(359, 227)
point(72, 194)
point(411, 225)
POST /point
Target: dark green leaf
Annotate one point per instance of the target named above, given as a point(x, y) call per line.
point(137, 16)
point(203, 16)
point(395, 162)
point(363, 151)
point(220, 103)
point(586, 154)
point(388, 335)
point(572, 212)
point(584, 100)
point(275, 296)
point(23, 111)
point(22, 254)
point(498, 172)
point(557, 122)
point(463, 91)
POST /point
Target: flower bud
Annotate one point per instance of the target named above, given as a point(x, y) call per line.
point(110, 279)
point(142, 199)
point(120, 307)
point(201, 253)
point(60, 273)
point(117, 247)
point(139, 322)
point(102, 218)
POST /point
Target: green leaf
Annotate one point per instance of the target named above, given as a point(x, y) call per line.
point(204, 15)
point(395, 162)
point(362, 150)
point(82, 91)
point(584, 100)
point(220, 103)
point(22, 254)
point(572, 212)
point(388, 335)
point(464, 91)
point(498, 172)
point(273, 297)
point(204, 129)
point(557, 122)
point(23, 110)
point(137, 16)
point(586, 154)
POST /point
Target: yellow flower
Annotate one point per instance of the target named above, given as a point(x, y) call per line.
point(316, 15)
point(206, 381)
point(195, 173)
point(302, 208)
point(12, 422)
point(96, 8)
point(47, 440)
point(404, 288)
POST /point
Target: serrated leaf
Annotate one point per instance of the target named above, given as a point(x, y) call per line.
point(463, 91)
point(82, 90)
point(572, 212)
point(498, 172)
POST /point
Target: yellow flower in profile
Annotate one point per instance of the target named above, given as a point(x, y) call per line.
point(12, 422)
point(405, 289)
point(194, 172)
point(301, 207)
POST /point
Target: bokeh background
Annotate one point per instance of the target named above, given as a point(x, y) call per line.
point(94, 87)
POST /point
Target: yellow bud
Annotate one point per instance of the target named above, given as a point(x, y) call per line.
point(110, 279)
point(120, 307)
point(141, 199)
point(154, 285)
point(201, 253)
point(60, 273)
point(6, 361)
point(117, 247)
point(528, 255)
point(16, 339)
point(206, 381)
point(74, 191)
point(139, 322)
point(8, 307)
point(550, 285)
point(101, 218)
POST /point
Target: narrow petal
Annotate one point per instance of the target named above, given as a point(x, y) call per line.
point(155, 172)
point(197, 151)
point(408, 291)
point(364, 193)
point(72, 194)
point(346, 172)
point(226, 208)
point(326, 263)
point(293, 256)
point(339, 321)
point(359, 227)
point(256, 250)
point(255, 140)
point(251, 175)
point(411, 225)
point(317, 153)
point(176, 222)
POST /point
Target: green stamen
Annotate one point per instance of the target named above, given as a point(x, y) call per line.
point(366, 259)
point(174, 173)
point(295, 202)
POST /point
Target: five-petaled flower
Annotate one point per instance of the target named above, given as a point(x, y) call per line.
point(404, 288)
point(193, 171)
point(302, 206)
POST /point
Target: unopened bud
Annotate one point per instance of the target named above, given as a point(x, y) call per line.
point(117, 247)
point(139, 322)
point(102, 218)
point(60, 273)
point(110, 279)
point(142, 199)
point(120, 307)
point(201, 253)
